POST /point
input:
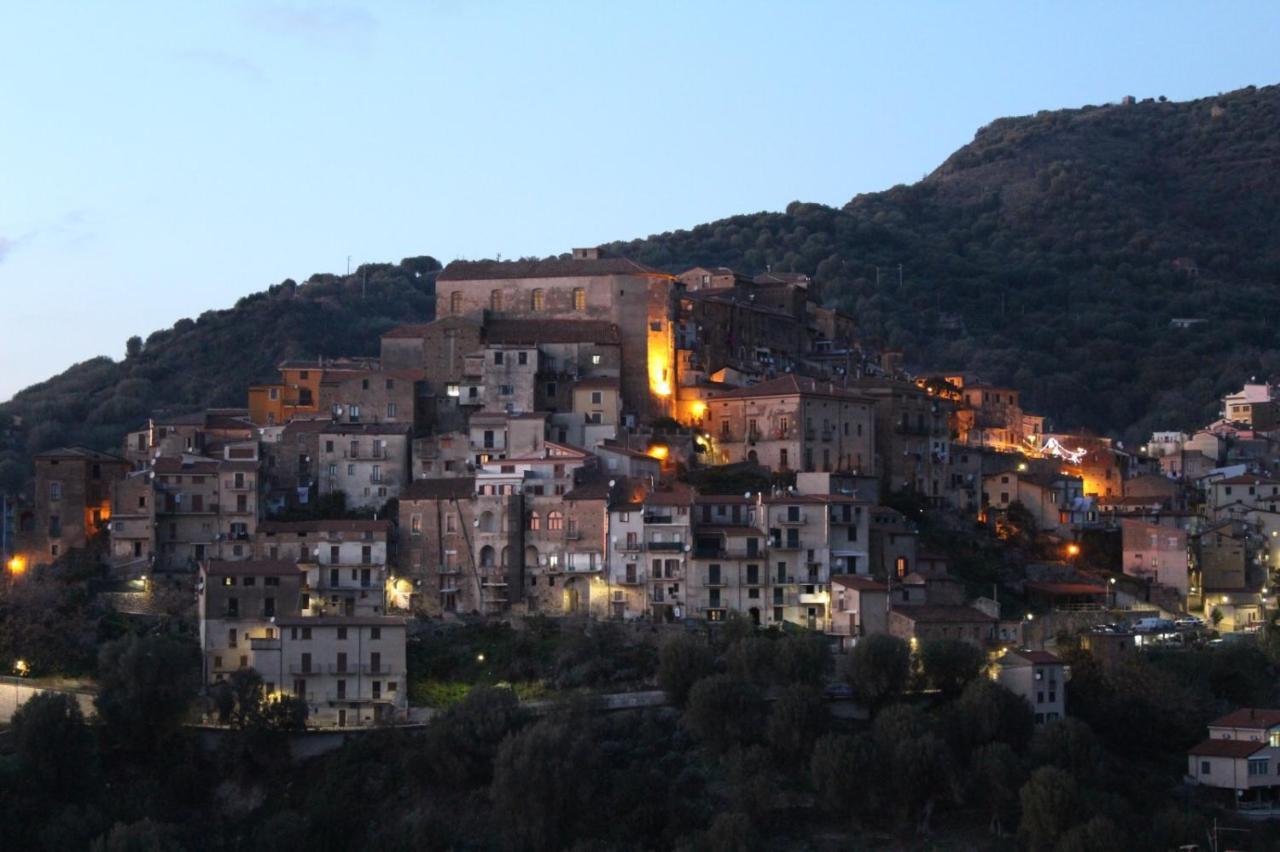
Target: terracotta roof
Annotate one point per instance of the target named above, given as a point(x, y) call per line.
point(77, 452)
point(1065, 588)
point(366, 429)
point(408, 375)
point(1040, 657)
point(455, 488)
point(253, 568)
point(334, 525)
point(859, 583)
point(1247, 479)
point(1248, 717)
point(535, 331)
point(791, 384)
point(675, 494)
point(174, 464)
point(1226, 748)
point(939, 613)
point(420, 329)
point(341, 621)
point(491, 270)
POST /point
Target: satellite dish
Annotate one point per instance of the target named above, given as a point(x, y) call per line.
point(476, 522)
point(612, 483)
point(747, 496)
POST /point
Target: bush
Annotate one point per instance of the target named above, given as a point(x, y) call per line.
point(683, 660)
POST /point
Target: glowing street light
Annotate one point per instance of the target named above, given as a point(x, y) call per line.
point(1073, 549)
point(17, 566)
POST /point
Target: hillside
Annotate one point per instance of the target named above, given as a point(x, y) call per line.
point(210, 361)
point(1052, 253)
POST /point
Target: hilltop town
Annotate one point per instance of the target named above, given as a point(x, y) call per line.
point(590, 440)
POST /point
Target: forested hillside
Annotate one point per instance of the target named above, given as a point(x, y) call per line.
point(1052, 253)
point(211, 360)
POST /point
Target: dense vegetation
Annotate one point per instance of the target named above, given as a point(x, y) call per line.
point(748, 756)
point(211, 360)
point(1052, 252)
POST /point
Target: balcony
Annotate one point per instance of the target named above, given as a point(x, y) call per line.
point(264, 644)
point(666, 546)
point(780, 544)
point(790, 521)
point(371, 669)
point(343, 669)
point(588, 568)
point(305, 671)
point(710, 553)
point(651, 518)
point(812, 598)
point(573, 535)
point(637, 579)
point(361, 455)
point(630, 547)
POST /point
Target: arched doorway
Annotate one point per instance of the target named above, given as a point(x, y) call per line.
point(574, 599)
point(753, 457)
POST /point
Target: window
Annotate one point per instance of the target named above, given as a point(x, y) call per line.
point(55, 490)
point(555, 521)
point(597, 398)
point(1206, 768)
point(536, 300)
point(579, 299)
point(495, 300)
point(391, 410)
point(342, 633)
point(1259, 766)
point(415, 525)
point(522, 358)
point(452, 389)
point(499, 358)
point(455, 302)
point(595, 359)
point(375, 632)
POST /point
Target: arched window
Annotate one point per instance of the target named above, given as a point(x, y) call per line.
point(536, 299)
point(486, 522)
point(535, 522)
point(455, 302)
point(579, 299)
point(555, 521)
point(486, 557)
point(495, 300)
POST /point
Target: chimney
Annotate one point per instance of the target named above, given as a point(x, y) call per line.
point(586, 254)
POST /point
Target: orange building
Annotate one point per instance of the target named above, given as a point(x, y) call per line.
point(298, 391)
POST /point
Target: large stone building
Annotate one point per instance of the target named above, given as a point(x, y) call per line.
point(366, 462)
point(71, 504)
point(791, 424)
point(638, 300)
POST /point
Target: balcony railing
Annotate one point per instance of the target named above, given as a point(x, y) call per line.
point(782, 544)
point(666, 546)
point(264, 644)
point(658, 519)
point(789, 521)
point(305, 671)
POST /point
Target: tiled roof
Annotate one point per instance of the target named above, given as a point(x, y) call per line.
point(334, 525)
point(455, 488)
point(675, 494)
point(859, 583)
point(1038, 657)
point(490, 270)
point(788, 385)
point(535, 331)
point(1226, 748)
point(1248, 717)
point(949, 614)
point(77, 452)
point(419, 329)
point(1247, 479)
point(253, 568)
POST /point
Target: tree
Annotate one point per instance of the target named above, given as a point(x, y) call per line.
point(683, 660)
point(877, 669)
point(801, 658)
point(542, 780)
point(146, 686)
point(837, 770)
point(949, 664)
point(751, 660)
point(458, 748)
point(53, 745)
point(1049, 807)
point(996, 775)
point(1099, 834)
point(722, 712)
point(988, 712)
point(731, 832)
point(1068, 744)
point(133, 347)
point(798, 717)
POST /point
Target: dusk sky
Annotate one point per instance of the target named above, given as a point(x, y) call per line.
point(159, 160)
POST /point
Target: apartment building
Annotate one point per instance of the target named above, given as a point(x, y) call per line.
point(239, 604)
point(346, 562)
point(351, 671)
point(133, 525)
point(1241, 754)
point(792, 424)
point(1039, 677)
point(71, 505)
point(204, 509)
point(912, 437)
point(860, 607)
point(366, 462)
point(1054, 500)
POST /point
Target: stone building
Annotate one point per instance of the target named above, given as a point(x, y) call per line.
point(133, 525)
point(71, 503)
point(913, 437)
point(204, 509)
point(638, 300)
point(297, 394)
point(375, 396)
point(367, 462)
point(792, 423)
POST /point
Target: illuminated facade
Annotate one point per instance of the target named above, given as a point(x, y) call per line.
point(72, 503)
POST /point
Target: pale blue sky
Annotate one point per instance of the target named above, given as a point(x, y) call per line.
point(161, 159)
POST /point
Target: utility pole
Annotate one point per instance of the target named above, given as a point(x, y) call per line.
point(364, 281)
point(348, 264)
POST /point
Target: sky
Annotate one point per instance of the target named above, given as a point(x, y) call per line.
point(158, 160)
